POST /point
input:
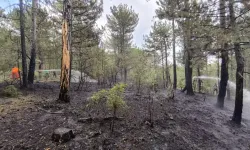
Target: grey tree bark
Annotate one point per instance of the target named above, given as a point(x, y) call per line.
point(32, 65)
point(23, 48)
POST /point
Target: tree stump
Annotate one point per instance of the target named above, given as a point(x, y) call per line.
point(62, 135)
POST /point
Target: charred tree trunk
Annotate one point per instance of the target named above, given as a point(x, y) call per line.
point(65, 68)
point(174, 58)
point(224, 57)
point(188, 53)
point(166, 64)
point(24, 61)
point(224, 78)
point(218, 68)
point(32, 65)
point(228, 93)
point(199, 80)
point(188, 75)
point(237, 116)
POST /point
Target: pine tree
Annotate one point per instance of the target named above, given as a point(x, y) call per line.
point(24, 61)
point(32, 64)
point(122, 22)
point(65, 68)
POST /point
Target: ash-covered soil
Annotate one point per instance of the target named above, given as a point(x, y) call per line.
point(185, 122)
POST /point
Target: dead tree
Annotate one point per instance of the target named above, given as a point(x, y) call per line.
point(65, 66)
point(237, 116)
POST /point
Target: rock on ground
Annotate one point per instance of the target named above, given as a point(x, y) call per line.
point(62, 135)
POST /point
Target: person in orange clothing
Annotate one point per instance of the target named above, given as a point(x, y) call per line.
point(15, 73)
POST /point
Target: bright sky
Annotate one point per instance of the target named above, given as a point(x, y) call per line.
point(146, 11)
point(8, 4)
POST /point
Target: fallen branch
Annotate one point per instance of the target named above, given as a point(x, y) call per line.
point(90, 120)
point(49, 112)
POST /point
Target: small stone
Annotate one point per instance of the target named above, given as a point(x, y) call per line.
point(62, 135)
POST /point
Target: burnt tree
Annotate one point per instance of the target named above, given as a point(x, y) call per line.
point(223, 78)
point(65, 66)
point(174, 57)
point(188, 52)
point(224, 57)
point(199, 80)
point(237, 116)
point(32, 65)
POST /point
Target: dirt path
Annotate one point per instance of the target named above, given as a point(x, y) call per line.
point(183, 123)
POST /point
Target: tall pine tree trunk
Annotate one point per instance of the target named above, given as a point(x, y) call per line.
point(163, 68)
point(71, 49)
point(188, 53)
point(188, 74)
point(218, 68)
point(224, 57)
point(32, 65)
point(237, 116)
point(230, 76)
point(166, 64)
point(224, 77)
point(199, 80)
point(24, 61)
point(65, 68)
point(174, 58)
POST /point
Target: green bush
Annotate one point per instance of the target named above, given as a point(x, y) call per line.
point(113, 97)
point(10, 91)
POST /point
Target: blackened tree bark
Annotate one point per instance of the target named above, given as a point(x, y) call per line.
point(188, 74)
point(65, 68)
point(199, 80)
point(228, 92)
point(188, 53)
point(224, 78)
point(24, 61)
point(32, 65)
point(237, 116)
point(174, 58)
point(224, 57)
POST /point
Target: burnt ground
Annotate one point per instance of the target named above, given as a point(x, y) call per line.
point(186, 122)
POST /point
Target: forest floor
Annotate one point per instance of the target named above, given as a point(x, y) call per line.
point(186, 122)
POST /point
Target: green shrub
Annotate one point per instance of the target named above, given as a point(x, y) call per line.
point(10, 91)
point(98, 96)
point(114, 98)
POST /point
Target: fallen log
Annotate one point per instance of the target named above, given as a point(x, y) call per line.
point(90, 120)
